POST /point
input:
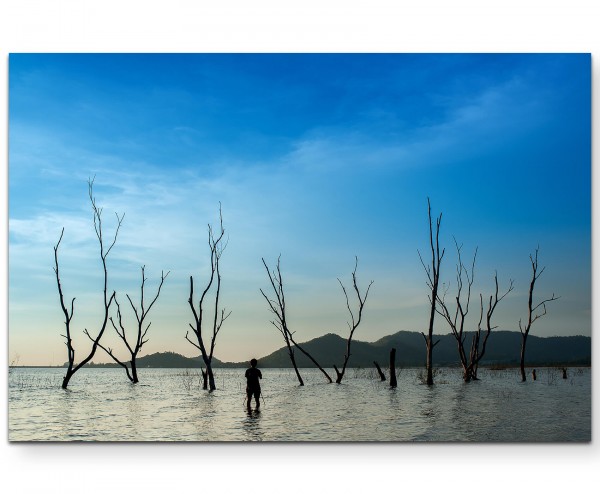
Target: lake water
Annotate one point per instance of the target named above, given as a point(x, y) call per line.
point(168, 405)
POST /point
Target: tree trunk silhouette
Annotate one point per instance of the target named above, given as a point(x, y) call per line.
point(433, 277)
point(72, 368)
point(475, 355)
point(533, 310)
point(134, 376)
point(142, 328)
point(393, 380)
point(217, 246)
point(379, 371)
point(522, 356)
point(277, 307)
point(355, 321)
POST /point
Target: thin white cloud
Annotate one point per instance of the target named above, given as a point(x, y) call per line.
point(484, 120)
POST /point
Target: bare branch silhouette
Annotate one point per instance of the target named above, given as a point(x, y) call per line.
point(477, 353)
point(72, 368)
point(355, 320)
point(532, 313)
point(456, 318)
point(433, 277)
point(216, 244)
point(142, 329)
point(278, 308)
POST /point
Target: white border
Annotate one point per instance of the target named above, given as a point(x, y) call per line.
point(294, 26)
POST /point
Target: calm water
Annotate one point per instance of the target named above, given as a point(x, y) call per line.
point(168, 405)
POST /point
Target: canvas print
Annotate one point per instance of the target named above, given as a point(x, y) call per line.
point(299, 247)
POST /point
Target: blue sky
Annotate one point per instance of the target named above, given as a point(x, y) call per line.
point(315, 157)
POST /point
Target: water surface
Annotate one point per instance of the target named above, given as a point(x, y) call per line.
point(168, 405)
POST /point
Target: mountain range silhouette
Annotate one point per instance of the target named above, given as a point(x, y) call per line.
point(502, 349)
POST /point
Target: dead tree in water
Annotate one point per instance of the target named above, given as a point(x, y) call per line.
point(433, 277)
point(393, 380)
point(217, 246)
point(355, 320)
point(72, 368)
point(533, 314)
point(277, 307)
point(476, 354)
point(379, 371)
point(141, 330)
point(456, 321)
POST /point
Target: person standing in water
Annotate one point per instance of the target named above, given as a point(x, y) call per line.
point(253, 376)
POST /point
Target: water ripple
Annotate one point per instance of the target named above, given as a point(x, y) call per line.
point(168, 405)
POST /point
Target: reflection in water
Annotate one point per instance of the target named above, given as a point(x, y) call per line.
point(203, 414)
point(102, 405)
point(64, 412)
point(459, 408)
point(251, 425)
point(394, 398)
point(134, 409)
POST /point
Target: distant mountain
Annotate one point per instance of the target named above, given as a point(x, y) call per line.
point(503, 348)
point(172, 360)
point(164, 360)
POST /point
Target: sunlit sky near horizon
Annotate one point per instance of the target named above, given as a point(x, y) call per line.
point(317, 158)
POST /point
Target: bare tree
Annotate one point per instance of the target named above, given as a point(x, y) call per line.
point(456, 320)
point(355, 321)
point(277, 307)
point(433, 277)
point(107, 300)
point(217, 246)
point(534, 311)
point(477, 353)
point(142, 329)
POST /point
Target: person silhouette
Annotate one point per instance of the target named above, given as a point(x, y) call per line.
point(253, 376)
